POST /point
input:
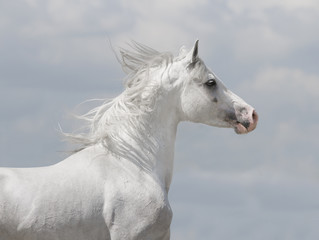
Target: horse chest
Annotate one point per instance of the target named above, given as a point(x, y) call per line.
point(137, 208)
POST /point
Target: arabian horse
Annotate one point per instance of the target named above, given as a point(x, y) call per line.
point(115, 186)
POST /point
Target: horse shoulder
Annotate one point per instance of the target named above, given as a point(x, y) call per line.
point(136, 205)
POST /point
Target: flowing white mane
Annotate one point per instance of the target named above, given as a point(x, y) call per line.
point(125, 114)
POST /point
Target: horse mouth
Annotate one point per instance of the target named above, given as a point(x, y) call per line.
point(246, 126)
point(240, 128)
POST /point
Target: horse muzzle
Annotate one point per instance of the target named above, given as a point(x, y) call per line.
point(247, 123)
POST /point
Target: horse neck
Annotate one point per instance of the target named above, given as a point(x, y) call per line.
point(153, 146)
point(163, 129)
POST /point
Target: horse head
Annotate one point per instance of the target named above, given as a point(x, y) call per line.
point(205, 99)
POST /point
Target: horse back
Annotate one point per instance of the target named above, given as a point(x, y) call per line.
point(7, 203)
point(51, 203)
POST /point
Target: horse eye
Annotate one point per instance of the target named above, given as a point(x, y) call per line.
point(211, 83)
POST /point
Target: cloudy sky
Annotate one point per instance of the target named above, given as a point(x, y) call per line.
point(55, 54)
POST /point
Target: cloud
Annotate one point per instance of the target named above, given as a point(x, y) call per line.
point(60, 32)
point(270, 30)
point(166, 24)
point(254, 8)
point(143, 20)
point(287, 86)
point(237, 207)
point(72, 18)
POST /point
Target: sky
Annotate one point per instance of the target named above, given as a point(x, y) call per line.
point(55, 54)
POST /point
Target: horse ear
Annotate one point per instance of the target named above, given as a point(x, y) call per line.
point(195, 51)
point(193, 54)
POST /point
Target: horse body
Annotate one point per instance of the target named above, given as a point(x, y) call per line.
point(87, 196)
point(117, 186)
point(49, 202)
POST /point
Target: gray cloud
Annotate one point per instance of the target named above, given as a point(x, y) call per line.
point(55, 54)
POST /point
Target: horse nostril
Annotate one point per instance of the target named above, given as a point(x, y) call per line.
point(255, 116)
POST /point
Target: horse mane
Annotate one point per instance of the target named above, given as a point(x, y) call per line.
point(125, 114)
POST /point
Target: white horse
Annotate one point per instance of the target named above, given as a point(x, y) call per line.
point(115, 187)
